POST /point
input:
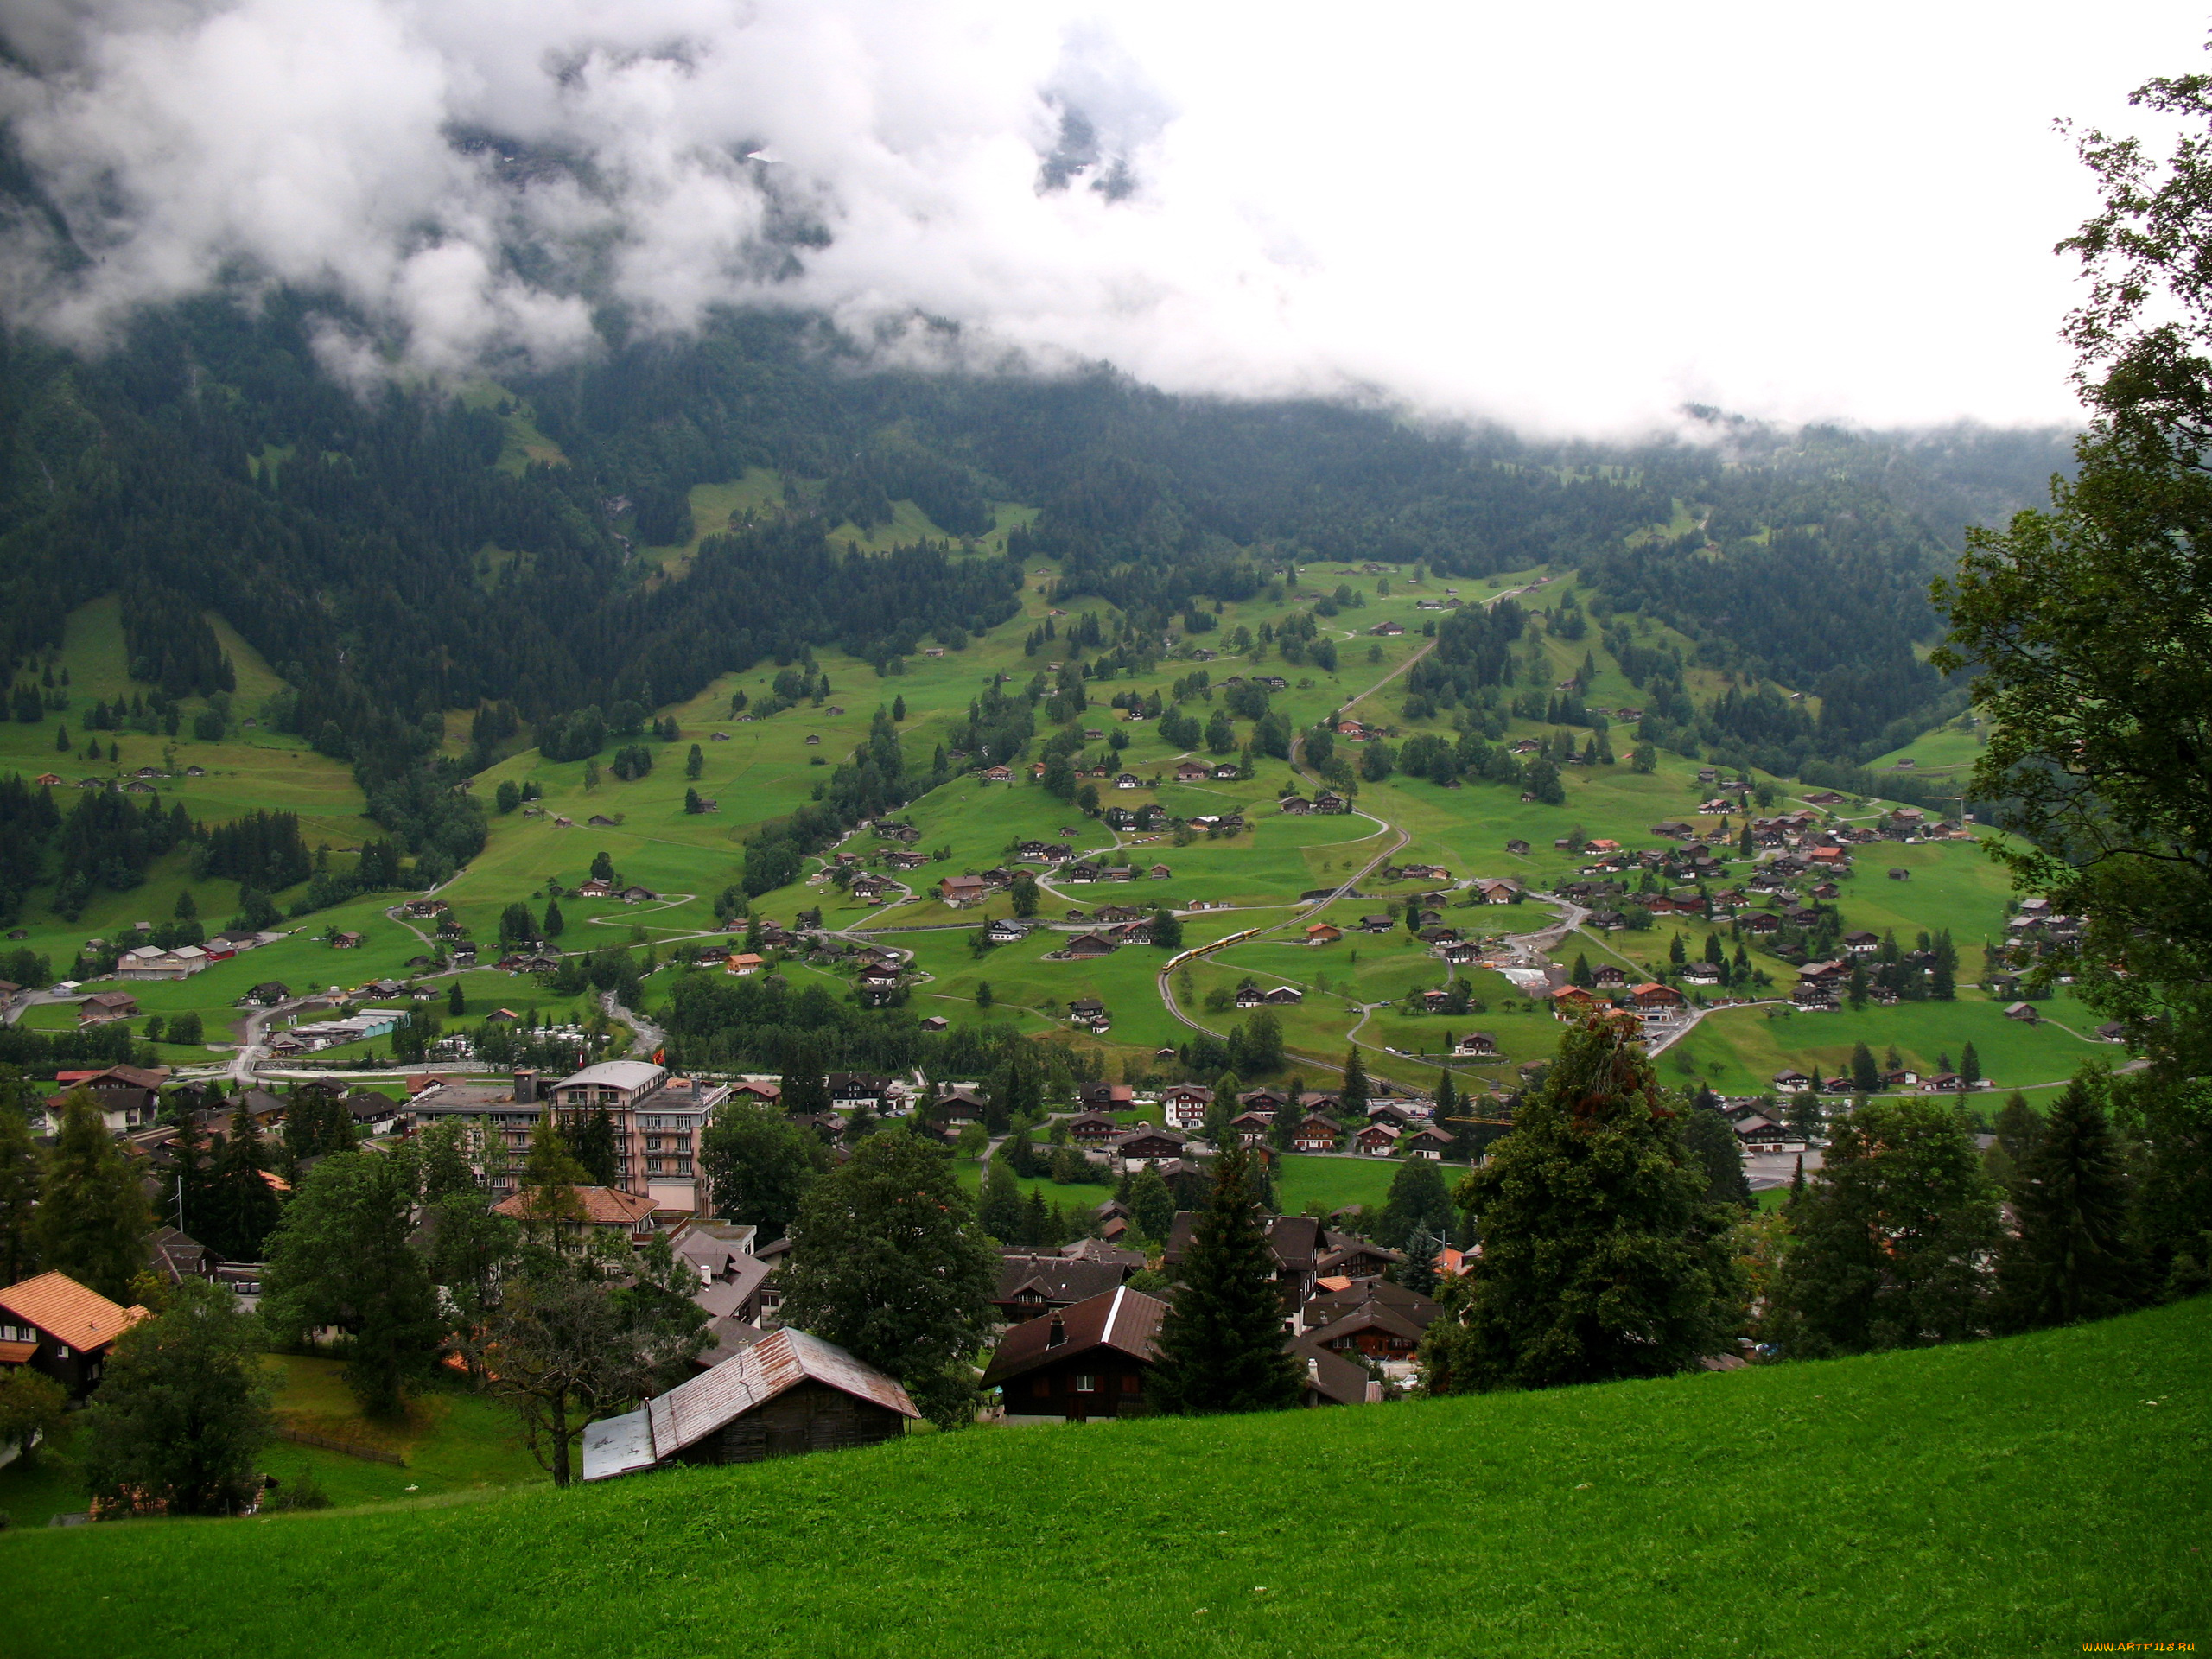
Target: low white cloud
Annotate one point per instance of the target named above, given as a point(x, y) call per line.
point(1572, 218)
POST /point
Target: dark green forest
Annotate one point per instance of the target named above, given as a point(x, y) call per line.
point(371, 547)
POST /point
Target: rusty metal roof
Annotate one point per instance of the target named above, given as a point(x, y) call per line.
point(690, 1411)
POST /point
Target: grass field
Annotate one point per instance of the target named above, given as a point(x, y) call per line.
point(2007, 1498)
point(453, 1441)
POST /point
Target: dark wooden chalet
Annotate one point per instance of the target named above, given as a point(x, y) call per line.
point(1087, 1361)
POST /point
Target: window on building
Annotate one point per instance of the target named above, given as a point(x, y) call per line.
point(652, 1166)
point(1085, 1382)
point(683, 1166)
point(1041, 1388)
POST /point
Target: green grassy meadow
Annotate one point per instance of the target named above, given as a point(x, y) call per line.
point(453, 1441)
point(2025, 1497)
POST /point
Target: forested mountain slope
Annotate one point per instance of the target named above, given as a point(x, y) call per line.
point(403, 552)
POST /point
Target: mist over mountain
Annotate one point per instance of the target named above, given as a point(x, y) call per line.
point(397, 335)
point(1465, 212)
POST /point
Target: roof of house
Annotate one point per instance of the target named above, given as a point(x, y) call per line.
point(752, 1376)
point(1123, 1319)
point(603, 1206)
point(1061, 1278)
point(1370, 1316)
point(1326, 1310)
point(1328, 1375)
point(69, 1312)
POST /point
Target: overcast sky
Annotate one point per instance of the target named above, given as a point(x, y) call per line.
point(1575, 217)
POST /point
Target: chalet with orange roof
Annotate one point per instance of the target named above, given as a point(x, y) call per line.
point(55, 1325)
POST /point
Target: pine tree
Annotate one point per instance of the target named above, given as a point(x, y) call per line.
point(591, 1139)
point(1419, 1202)
point(1221, 1342)
point(1354, 1093)
point(91, 1220)
point(695, 763)
point(1969, 1066)
point(456, 1000)
point(242, 1207)
point(998, 1205)
point(899, 708)
point(19, 1185)
point(2072, 1258)
point(1865, 1077)
point(1417, 1271)
point(554, 920)
point(1449, 1108)
point(1602, 1256)
point(547, 1180)
point(1892, 1236)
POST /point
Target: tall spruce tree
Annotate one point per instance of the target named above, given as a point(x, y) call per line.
point(1893, 1234)
point(19, 1185)
point(2072, 1257)
point(92, 1219)
point(1355, 1092)
point(242, 1208)
point(1220, 1343)
point(1602, 1256)
point(547, 1183)
point(590, 1136)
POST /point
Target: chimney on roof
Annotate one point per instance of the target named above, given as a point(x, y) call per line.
point(526, 1087)
point(1056, 1333)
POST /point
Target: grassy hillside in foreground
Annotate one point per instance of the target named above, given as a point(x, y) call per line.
point(2004, 1498)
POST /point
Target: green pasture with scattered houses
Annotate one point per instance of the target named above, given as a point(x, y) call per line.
point(751, 772)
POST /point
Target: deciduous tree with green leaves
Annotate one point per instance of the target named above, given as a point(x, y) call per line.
point(342, 1257)
point(183, 1412)
point(571, 1346)
point(889, 1263)
point(759, 1165)
point(2087, 626)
